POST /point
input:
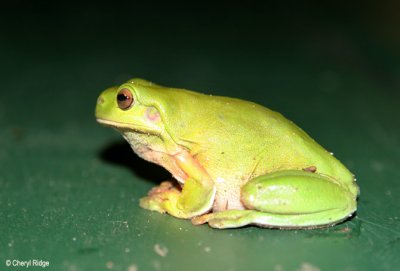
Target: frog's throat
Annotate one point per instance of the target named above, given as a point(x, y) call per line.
point(125, 126)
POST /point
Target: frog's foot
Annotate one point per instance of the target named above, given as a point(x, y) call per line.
point(239, 218)
point(158, 196)
point(226, 219)
point(194, 199)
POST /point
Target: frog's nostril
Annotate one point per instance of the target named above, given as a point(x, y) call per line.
point(100, 100)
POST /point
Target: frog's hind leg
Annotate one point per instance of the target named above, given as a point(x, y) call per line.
point(239, 218)
point(288, 199)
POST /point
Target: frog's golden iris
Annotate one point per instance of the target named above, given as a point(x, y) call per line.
point(124, 99)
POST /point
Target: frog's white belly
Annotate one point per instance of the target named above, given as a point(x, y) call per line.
point(227, 197)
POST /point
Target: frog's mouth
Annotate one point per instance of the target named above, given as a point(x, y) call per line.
point(120, 125)
point(124, 126)
point(114, 124)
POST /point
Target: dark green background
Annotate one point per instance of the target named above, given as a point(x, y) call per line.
point(69, 188)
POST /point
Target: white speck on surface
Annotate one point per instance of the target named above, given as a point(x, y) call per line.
point(74, 239)
point(160, 250)
point(127, 250)
point(132, 267)
point(278, 267)
point(207, 249)
point(109, 264)
point(305, 266)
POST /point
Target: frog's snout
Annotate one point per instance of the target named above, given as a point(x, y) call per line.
point(105, 103)
point(99, 106)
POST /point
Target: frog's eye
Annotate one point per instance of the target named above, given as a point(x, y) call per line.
point(124, 99)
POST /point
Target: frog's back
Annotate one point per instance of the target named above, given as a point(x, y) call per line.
point(240, 139)
point(268, 140)
point(284, 146)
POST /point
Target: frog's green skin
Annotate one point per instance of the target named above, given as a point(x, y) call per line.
point(238, 163)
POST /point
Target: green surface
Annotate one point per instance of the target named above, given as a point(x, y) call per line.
point(69, 188)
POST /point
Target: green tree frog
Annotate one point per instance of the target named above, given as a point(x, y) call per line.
point(237, 163)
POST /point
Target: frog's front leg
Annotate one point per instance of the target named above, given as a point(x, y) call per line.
point(288, 199)
point(197, 195)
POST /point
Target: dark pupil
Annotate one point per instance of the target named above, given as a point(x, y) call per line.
point(122, 97)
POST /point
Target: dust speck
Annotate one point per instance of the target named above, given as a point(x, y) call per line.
point(132, 267)
point(207, 249)
point(109, 264)
point(305, 266)
point(160, 250)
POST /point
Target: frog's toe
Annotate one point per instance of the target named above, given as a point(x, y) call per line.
point(226, 219)
point(152, 204)
point(159, 197)
point(198, 220)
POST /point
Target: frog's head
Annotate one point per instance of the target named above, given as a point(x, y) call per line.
point(121, 108)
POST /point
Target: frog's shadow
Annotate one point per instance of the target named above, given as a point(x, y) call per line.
point(120, 153)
